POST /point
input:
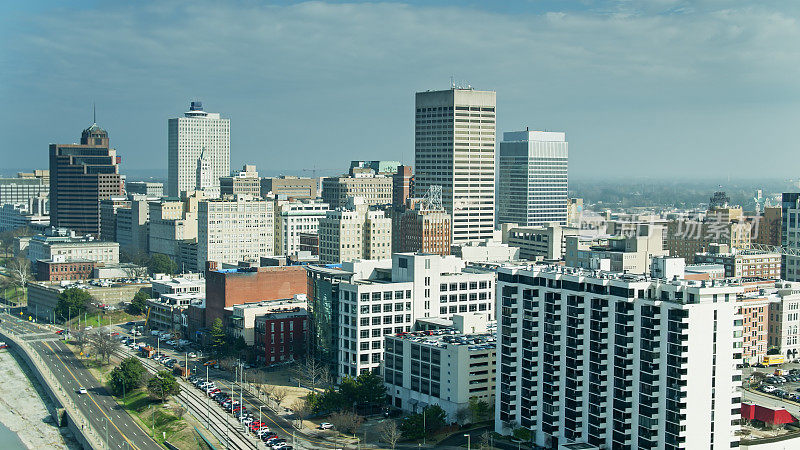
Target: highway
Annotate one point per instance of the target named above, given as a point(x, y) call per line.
point(112, 423)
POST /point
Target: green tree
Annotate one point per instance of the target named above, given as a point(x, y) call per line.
point(478, 409)
point(370, 389)
point(162, 385)
point(160, 263)
point(432, 419)
point(72, 302)
point(523, 434)
point(217, 336)
point(128, 375)
point(139, 303)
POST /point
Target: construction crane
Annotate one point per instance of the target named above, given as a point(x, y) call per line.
point(146, 318)
point(314, 171)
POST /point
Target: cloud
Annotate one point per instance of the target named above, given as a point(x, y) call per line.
point(323, 83)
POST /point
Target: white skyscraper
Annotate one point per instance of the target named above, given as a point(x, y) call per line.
point(198, 132)
point(532, 178)
point(454, 148)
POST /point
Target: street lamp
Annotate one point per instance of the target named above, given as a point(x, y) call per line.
point(469, 441)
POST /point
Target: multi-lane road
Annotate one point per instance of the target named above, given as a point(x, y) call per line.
point(111, 423)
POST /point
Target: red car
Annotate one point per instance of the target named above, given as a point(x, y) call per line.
point(60, 332)
point(255, 425)
point(115, 334)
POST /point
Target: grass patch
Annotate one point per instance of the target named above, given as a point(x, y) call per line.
point(103, 319)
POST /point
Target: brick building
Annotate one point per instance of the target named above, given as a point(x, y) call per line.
point(228, 287)
point(60, 269)
point(281, 335)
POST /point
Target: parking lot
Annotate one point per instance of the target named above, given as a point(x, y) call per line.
point(786, 387)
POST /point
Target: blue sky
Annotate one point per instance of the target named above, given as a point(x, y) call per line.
point(662, 88)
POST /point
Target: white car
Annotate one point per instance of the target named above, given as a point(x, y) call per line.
point(82, 390)
point(769, 388)
point(325, 426)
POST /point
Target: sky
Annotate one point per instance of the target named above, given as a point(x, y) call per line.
point(654, 89)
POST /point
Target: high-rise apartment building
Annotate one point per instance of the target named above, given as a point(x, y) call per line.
point(108, 216)
point(199, 150)
point(532, 178)
point(790, 235)
point(387, 296)
point(618, 361)
point(81, 176)
point(229, 231)
point(293, 219)
point(246, 182)
point(455, 149)
point(354, 232)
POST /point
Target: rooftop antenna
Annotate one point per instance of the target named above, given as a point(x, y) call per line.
point(452, 82)
point(94, 114)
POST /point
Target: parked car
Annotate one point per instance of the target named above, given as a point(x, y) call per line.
point(325, 426)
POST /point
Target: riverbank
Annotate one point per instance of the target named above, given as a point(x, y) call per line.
point(25, 408)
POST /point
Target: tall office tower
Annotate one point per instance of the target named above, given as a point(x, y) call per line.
point(233, 231)
point(197, 133)
point(82, 175)
point(532, 178)
point(454, 148)
point(619, 361)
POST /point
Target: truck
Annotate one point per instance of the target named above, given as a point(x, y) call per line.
point(772, 360)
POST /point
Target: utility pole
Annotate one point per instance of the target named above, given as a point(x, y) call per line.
point(208, 408)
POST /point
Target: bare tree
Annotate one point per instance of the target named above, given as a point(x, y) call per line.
point(20, 270)
point(279, 394)
point(389, 432)
point(104, 344)
point(346, 421)
point(81, 340)
point(312, 373)
point(300, 410)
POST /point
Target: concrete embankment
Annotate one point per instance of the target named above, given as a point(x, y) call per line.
point(64, 413)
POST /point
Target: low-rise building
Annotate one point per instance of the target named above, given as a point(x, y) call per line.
point(487, 250)
point(630, 253)
point(374, 189)
point(147, 188)
point(168, 311)
point(62, 243)
point(189, 283)
point(59, 269)
point(290, 187)
point(546, 242)
point(242, 318)
point(281, 335)
point(43, 295)
point(246, 182)
point(294, 219)
point(444, 367)
point(33, 215)
point(742, 263)
point(784, 320)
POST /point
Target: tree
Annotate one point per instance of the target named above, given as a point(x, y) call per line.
point(104, 344)
point(81, 339)
point(128, 375)
point(162, 385)
point(300, 410)
point(8, 237)
point(389, 432)
point(72, 302)
point(478, 409)
point(486, 441)
point(217, 336)
point(523, 434)
point(346, 421)
point(139, 303)
point(370, 389)
point(312, 373)
point(160, 263)
point(462, 414)
point(279, 394)
point(432, 419)
point(20, 270)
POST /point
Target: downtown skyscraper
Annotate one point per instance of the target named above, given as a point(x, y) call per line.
point(454, 148)
point(81, 175)
point(532, 178)
point(199, 151)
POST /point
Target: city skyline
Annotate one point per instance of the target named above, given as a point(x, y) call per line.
point(575, 68)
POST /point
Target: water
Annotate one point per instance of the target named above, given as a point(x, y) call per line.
point(9, 440)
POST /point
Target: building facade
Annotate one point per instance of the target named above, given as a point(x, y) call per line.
point(108, 216)
point(387, 296)
point(60, 244)
point(618, 361)
point(790, 235)
point(354, 232)
point(631, 252)
point(543, 242)
point(291, 187)
point(15, 191)
point(60, 269)
point(293, 219)
point(532, 178)
point(147, 188)
point(81, 176)
point(281, 335)
point(133, 225)
point(233, 231)
point(742, 263)
point(374, 189)
point(244, 183)
point(455, 149)
point(197, 133)
point(33, 215)
point(421, 229)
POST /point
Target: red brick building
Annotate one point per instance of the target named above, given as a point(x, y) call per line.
point(229, 287)
point(49, 270)
point(281, 335)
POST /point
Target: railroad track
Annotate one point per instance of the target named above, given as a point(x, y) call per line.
point(216, 419)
